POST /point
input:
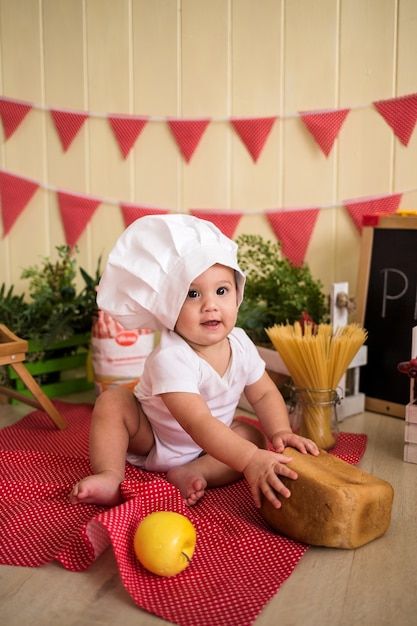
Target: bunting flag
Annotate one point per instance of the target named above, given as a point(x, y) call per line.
point(67, 124)
point(226, 222)
point(293, 229)
point(76, 212)
point(187, 134)
point(383, 205)
point(400, 114)
point(254, 132)
point(12, 113)
point(324, 126)
point(127, 129)
point(15, 193)
point(131, 213)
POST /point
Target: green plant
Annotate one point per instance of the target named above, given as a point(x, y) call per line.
point(54, 310)
point(276, 291)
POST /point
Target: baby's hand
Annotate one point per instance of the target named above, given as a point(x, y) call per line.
point(261, 474)
point(287, 438)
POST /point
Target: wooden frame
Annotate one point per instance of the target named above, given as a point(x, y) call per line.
point(394, 222)
point(13, 352)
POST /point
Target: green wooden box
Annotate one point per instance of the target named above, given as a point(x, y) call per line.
point(61, 368)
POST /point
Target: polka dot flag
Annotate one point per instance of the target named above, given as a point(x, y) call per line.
point(254, 132)
point(401, 114)
point(294, 230)
point(76, 212)
point(67, 124)
point(325, 126)
point(239, 563)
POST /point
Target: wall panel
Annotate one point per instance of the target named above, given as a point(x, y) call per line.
point(155, 39)
point(311, 73)
point(193, 58)
point(65, 79)
point(24, 154)
point(367, 69)
point(109, 85)
point(205, 92)
point(405, 157)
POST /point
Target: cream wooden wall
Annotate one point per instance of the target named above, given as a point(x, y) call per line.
point(216, 58)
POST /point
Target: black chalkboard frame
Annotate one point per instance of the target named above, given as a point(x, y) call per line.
point(384, 403)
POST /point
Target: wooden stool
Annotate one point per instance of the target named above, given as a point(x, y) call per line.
point(13, 352)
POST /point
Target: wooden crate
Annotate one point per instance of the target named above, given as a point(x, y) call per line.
point(62, 368)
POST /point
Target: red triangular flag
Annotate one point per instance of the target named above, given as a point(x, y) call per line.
point(127, 129)
point(187, 134)
point(76, 212)
point(15, 193)
point(226, 222)
point(131, 213)
point(384, 205)
point(67, 124)
point(294, 228)
point(400, 114)
point(324, 126)
point(12, 113)
point(253, 132)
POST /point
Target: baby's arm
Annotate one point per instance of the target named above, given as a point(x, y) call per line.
point(269, 407)
point(260, 467)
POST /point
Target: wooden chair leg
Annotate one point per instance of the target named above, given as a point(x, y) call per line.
point(41, 400)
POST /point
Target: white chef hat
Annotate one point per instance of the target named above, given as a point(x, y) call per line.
point(153, 263)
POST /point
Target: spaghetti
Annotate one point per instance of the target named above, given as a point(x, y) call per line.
point(317, 358)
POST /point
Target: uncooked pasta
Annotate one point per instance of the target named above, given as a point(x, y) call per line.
point(317, 357)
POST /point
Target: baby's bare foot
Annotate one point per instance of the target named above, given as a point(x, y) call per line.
point(103, 489)
point(192, 486)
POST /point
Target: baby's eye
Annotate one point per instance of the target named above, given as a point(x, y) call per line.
point(221, 291)
point(193, 293)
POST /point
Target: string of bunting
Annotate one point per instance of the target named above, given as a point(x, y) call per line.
point(293, 227)
point(399, 113)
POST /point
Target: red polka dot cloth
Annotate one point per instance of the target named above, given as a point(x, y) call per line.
point(239, 563)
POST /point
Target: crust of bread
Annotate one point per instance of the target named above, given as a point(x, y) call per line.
point(332, 503)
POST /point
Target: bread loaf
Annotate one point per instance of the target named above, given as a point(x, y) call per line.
point(332, 503)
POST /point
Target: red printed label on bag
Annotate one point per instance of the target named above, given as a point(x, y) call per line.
point(126, 338)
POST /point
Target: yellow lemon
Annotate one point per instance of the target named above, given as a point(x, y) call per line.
point(164, 542)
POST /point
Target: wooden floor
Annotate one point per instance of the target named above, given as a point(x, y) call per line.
point(375, 585)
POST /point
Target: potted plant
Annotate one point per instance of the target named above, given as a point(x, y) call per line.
point(276, 292)
point(56, 321)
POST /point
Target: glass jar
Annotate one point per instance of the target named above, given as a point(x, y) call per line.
point(313, 414)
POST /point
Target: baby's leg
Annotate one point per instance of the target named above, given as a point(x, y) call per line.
point(118, 423)
point(206, 471)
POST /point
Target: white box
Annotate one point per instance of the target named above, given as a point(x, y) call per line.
point(410, 452)
point(411, 413)
point(410, 434)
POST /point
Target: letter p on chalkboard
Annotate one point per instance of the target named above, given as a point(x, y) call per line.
point(387, 308)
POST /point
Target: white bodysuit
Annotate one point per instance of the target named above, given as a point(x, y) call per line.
point(174, 367)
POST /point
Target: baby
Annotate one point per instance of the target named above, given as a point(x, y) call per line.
point(179, 275)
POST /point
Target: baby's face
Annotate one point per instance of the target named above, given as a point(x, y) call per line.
point(210, 309)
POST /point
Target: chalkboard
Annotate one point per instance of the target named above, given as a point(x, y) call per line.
point(387, 308)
